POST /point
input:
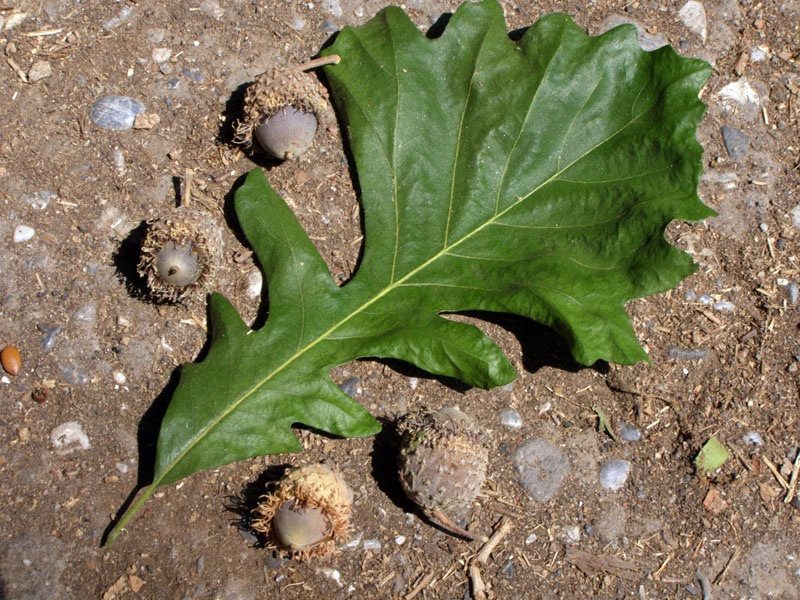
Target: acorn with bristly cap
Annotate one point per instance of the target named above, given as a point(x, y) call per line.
point(282, 108)
point(307, 513)
point(180, 254)
point(442, 463)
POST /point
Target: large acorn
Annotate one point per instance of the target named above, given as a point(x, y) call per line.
point(282, 109)
point(308, 512)
point(180, 254)
point(442, 463)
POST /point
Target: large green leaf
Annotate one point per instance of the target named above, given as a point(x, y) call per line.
point(533, 178)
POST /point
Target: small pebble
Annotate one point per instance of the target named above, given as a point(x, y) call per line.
point(531, 538)
point(705, 299)
point(793, 292)
point(298, 24)
point(328, 27)
point(690, 295)
point(541, 468)
point(11, 360)
point(764, 227)
point(49, 339)
point(757, 55)
point(724, 306)
point(115, 112)
point(331, 574)
point(39, 200)
point(161, 55)
point(589, 529)
point(573, 533)
point(679, 353)
point(400, 540)
point(22, 233)
point(67, 437)
point(372, 544)
point(629, 433)
point(508, 569)
point(74, 375)
point(614, 475)
point(39, 70)
point(200, 565)
point(350, 386)
point(753, 437)
point(173, 84)
point(119, 377)
point(693, 16)
point(122, 467)
point(510, 418)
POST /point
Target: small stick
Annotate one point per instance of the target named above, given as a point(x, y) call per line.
point(731, 560)
point(314, 63)
point(478, 587)
point(420, 586)
point(778, 476)
point(663, 566)
point(439, 516)
point(793, 479)
point(187, 188)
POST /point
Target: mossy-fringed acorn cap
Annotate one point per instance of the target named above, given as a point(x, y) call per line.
point(273, 91)
point(314, 487)
point(180, 254)
point(442, 461)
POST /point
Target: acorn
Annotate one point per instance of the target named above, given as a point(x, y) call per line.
point(180, 254)
point(308, 512)
point(442, 464)
point(282, 110)
point(11, 360)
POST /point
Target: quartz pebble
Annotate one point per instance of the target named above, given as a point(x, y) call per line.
point(39, 200)
point(161, 55)
point(68, 437)
point(753, 437)
point(510, 418)
point(614, 475)
point(39, 70)
point(541, 467)
point(693, 16)
point(115, 112)
point(22, 233)
point(119, 377)
point(629, 433)
point(724, 306)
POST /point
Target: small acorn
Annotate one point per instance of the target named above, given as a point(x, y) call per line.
point(308, 512)
point(442, 463)
point(180, 254)
point(282, 109)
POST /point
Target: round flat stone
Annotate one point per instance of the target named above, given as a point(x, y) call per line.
point(115, 112)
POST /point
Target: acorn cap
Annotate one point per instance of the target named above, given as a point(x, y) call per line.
point(442, 461)
point(274, 90)
point(308, 490)
point(180, 254)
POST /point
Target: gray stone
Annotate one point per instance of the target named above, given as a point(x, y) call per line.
point(541, 467)
point(693, 16)
point(510, 418)
point(350, 386)
point(629, 433)
point(736, 142)
point(614, 475)
point(115, 112)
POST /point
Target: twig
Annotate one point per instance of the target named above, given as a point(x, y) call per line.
point(188, 179)
point(333, 59)
point(793, 481)
point(420, 586)
point(444, 520)
point(731, 560)
point(660, 569)
point(478, 587)
point(778, 476)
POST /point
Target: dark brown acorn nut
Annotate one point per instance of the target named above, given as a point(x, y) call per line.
point(282, 109)
point(180, 254)
point(308, 512)
point(442, 461)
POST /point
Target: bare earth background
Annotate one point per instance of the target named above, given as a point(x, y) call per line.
point(103, 355)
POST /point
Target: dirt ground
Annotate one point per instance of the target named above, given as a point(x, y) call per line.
point(114, 354)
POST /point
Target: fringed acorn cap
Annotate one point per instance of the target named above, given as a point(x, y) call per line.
point(442, 461)
point(180, 254)
point(278, 89)
point(308, 512)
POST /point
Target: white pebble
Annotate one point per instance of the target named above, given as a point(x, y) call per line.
point(5, 379)
point(705, 299)
point(161, 55)
point(735, 94)
point(724, 306)
point(413, 383)
point(753, 437)
point(67, 437)
point(764, 227)
point(122, 467)
point(372, 544)
point(530, 539)
point(119, 377)
point(693, 16)
point(757, 55)
point(255, 282)
point(400, 540)
point(614, 475)
point(22, 233)
point(331, 574)
point(510, 418)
